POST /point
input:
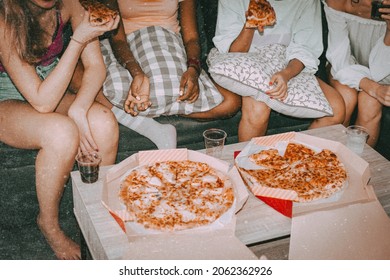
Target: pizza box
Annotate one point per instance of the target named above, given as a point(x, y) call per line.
point(359, 231)
point(357, 171)
point(115, 175)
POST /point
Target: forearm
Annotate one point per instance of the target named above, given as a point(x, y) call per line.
point(125, 57)
point(294, 67)
point(369, 86)
point(92, 80)
point(243, 41)
point(50, 91)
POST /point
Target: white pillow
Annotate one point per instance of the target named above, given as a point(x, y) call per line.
point(248, 74)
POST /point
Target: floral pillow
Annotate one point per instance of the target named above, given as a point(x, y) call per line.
point(248, 74)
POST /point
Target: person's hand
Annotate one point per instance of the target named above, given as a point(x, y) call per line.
point(279, 86)
point(386, 13)
point(382, 94)
point(189, 86)
point(85, 32)
point(138, 97)
point(87, 143)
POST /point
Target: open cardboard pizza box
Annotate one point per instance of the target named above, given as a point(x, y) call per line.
point(357, 171)
point(180, 244)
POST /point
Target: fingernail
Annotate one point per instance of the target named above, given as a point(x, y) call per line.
point(181, 93)
point(270, 83)
point(138, 98)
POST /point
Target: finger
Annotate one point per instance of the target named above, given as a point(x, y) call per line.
point(91, 143)
point(182, 88)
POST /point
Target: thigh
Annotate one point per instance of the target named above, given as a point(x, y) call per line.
point(24, 127)
point(349, 95)
point(333, 96)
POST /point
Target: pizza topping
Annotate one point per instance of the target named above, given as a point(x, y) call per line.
point(176, 195)
point(311, 175)
point(99, 13)
point(260, 14)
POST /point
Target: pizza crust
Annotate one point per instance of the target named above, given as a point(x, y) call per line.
point(176, 195)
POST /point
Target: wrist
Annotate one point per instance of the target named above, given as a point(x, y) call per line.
point(77, 41)
point(195, 63)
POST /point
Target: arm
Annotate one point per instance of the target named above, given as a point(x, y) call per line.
point(304, 49)
point(93, 76)
point(230, 25)
point(378, 91)
point(189, 87)
point(344, 67)
point(306, 42)
point(140, 87)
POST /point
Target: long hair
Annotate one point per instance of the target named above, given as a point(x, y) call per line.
point(23, 29)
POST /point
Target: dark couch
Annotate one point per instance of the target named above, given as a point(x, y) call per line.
point(19, 235)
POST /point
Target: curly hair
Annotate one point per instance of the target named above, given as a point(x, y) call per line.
point(23, 29)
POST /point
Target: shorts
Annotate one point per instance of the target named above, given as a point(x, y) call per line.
point(8, 89)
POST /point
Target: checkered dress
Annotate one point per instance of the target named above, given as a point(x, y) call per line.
point(161, 55)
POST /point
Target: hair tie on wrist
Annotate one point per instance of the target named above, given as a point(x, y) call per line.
point(77, 41)
point(194, 62)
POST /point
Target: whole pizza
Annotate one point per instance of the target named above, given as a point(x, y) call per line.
point(176, 195)
point(312, 175)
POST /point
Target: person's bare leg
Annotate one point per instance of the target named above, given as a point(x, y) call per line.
point(103, 125)
point(164, 136)
point(229, 107)
point(350, 97)
point(336, 102)
point(57, 139)
point(105, 131)
point(254, 119)
point(369, 116)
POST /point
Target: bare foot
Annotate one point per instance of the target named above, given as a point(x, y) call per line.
point(63, 247)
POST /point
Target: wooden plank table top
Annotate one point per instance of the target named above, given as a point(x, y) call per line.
point(257, 223)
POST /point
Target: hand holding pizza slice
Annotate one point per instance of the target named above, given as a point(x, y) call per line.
point(260, 14)
point(99, 13)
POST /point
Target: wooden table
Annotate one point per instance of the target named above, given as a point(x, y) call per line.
point(259, 226)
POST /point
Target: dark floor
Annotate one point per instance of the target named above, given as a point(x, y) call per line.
point(29, 243)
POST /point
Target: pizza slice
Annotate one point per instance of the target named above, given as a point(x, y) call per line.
point(269, 159)
point(297, 152)
point(260, 14)
point(99, 13)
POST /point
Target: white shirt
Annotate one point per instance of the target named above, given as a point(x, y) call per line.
point(356, 49)
point(298, 27)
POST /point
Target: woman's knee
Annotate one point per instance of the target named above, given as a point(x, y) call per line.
point(103, 124)
point(231, 102)
point(61, 134)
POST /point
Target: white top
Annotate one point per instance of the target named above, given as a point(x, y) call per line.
point(298, 26)
point(356, 49)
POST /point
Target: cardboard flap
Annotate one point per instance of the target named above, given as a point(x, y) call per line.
point(356, 231)
point(217, 245)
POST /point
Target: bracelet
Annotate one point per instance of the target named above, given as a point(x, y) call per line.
point(194, 62)
point(77, 41)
